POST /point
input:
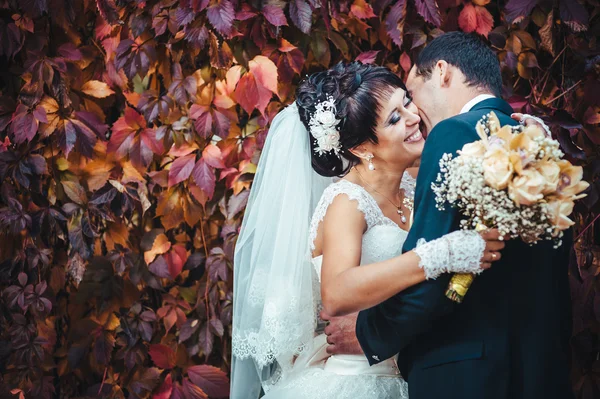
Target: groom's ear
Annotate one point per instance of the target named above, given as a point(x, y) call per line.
point(444, 73)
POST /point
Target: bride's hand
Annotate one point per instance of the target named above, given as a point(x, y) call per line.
point(494, 243)
point(530, 120)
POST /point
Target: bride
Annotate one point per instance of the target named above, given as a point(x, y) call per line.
point(305, 233)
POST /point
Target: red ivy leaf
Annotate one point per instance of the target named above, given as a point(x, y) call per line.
point(212, 380)
point(516, 10)
point(192, 391)
point(176, 258)
point(367, 57)
point(256, 88)
point(204, 176)
point(131, 136)
point(212, 155)
point(164, 391)
point(405, 62)
point(429, 11)
point(274, 15)
point(162, 355)
point(221, 15)
point(301, 15)
point(467, 20)
point(181, 169)
point(485, 21)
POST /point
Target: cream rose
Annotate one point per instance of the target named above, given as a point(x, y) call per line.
point(476, 149)
point(559, 213)
point(524, 145)
point(329, 141)
point(318, 131)
point(497, 168)
point(326, 118)
point(570, 183)
point(527, 188)
point(550, 171)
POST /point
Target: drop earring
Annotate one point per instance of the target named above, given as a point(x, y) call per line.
point(370, 159)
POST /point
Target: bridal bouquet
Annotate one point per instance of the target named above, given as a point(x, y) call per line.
point(513, 179)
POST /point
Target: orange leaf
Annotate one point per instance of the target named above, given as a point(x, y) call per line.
point(362, 10)
point(160, 246)
point(96, 89)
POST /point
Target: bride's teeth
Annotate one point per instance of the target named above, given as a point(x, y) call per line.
point(414, 137)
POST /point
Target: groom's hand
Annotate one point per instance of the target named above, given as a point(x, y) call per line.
point(341, 335)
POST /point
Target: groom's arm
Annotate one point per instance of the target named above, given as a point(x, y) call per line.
point(386, 329)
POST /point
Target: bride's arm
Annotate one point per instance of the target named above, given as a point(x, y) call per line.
point(347, 288)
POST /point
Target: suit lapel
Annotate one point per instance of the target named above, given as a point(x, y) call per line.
point(492, 104)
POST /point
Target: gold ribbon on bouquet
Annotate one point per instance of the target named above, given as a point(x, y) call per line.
point(460, 282)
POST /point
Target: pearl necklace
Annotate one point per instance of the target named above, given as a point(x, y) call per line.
point(407, 202)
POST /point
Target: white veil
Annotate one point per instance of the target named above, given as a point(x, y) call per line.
point(274, 302)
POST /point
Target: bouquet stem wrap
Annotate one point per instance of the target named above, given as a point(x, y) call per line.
point(460, 282)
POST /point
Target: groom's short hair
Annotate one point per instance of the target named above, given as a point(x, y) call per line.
point(467, 52)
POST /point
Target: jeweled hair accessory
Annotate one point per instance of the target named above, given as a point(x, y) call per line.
point(324, 127)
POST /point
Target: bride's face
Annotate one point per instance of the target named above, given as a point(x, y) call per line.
point(398, 133)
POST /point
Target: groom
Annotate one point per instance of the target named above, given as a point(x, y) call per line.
point(509, 338)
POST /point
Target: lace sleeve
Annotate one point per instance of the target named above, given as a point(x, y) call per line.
point(408, 184)
point(354, 193)
point(458, 252)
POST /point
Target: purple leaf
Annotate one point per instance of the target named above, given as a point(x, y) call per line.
point(394, 22)
point(188, 329)
point(181, 169)
point(516, 10)
point(274, 15)
point(574, 15)
point(429, 10)
point(301, 15)
point(216, 326)
point(160, 268)
point(221, 15)
point(108, 11)
point(204, 176)
point(70, 52)
point(206, 339)
point(212, 380)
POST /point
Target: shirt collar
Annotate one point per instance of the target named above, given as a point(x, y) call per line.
point(475, 101)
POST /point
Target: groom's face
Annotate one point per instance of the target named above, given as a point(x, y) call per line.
point(427, 97)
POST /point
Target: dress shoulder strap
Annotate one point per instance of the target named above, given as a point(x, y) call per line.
point(366, 204)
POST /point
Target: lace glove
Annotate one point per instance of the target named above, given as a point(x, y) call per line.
point(524, 117)
point(457, 252)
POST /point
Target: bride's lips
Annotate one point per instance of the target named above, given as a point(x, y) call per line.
point(414, 137)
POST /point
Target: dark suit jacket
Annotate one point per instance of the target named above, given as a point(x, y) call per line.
point(509, 338)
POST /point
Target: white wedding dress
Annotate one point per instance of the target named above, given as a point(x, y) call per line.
point(315, 374)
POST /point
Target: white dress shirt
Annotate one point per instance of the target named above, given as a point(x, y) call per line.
point(475, 101)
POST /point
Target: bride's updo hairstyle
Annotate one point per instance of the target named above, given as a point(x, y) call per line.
point(357, 90)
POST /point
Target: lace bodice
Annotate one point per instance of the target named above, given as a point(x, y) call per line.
point(383, 238)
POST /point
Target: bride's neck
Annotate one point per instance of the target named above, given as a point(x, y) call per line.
point(383, 180)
